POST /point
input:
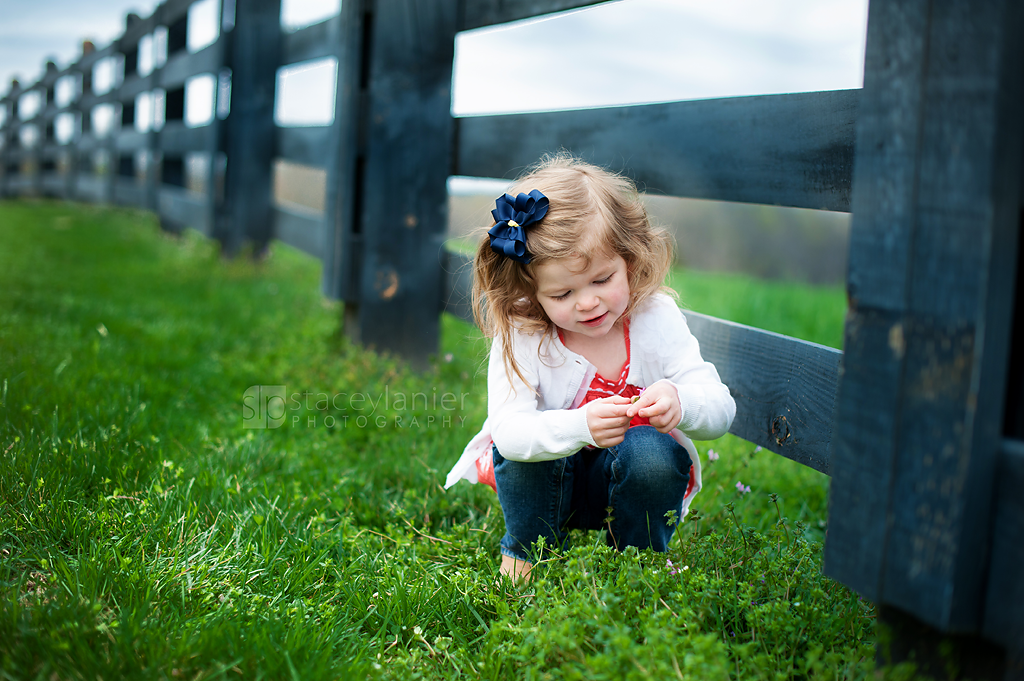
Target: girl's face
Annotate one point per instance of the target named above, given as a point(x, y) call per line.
point(580, 299)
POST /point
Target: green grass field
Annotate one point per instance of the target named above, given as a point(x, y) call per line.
point(145, 533)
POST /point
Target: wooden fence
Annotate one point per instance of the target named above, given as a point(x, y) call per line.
point(920, 423)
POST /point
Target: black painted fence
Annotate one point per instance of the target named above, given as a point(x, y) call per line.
point(920, 423)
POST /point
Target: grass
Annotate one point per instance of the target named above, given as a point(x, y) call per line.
point(145, 533)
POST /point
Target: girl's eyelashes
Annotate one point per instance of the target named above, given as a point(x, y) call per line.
point(565, 295)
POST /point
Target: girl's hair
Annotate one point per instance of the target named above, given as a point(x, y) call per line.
point(592, 212)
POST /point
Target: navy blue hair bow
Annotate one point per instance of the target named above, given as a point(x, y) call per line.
point(513, 215)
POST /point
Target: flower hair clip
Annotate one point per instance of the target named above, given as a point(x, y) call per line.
point(513, 214)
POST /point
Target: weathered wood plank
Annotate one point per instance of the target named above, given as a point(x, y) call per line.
point(181, 66)
point(785, 388)
point(323, 39)
point(183, 209)
point(53, 184)
point(789, 150)
point(479, 13)
point(301, 231)
point(344, 159)
point(888, 143)
point(249, 130)
point(132, 87)
point(175, 138)
point(20, 185)
point(933, 245)
point(131, 140)
point(89, 100)
point(409, 135)
point(90, 187)
point(128, 192)
point(309, 146)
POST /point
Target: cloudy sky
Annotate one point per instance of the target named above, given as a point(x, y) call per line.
point(621, 52)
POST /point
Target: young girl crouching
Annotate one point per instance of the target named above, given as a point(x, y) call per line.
point(595, 385)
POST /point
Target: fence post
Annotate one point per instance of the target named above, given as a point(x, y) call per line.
point(346, 161)
point(255, 41)
point(8, 136)
point(399, 188)
point(936, 206)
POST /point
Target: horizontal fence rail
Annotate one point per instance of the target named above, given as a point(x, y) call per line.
point(788, 150)
point(785, 388)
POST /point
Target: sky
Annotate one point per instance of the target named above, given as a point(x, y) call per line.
point(629, 51)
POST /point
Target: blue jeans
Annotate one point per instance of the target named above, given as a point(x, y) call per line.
point(627, 489)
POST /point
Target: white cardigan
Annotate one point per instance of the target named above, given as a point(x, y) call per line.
point(539, 420)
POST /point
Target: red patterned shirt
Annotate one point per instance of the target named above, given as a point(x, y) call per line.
point(601, 387)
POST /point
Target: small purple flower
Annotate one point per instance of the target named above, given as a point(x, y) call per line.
point(741, 488)
point(757, 449)
point(712, 455)
point(673, 570)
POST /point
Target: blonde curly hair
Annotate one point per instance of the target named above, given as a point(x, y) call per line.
point(592, 212)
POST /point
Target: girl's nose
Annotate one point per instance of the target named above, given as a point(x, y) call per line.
point(586, 302)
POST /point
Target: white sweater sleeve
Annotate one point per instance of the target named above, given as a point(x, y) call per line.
point(520, 429)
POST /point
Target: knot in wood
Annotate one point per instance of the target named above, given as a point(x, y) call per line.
point(780, 430)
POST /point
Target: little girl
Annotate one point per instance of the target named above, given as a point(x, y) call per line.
point(595, 385)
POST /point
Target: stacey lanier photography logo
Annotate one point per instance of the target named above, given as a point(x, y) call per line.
point(263, 406)
point(272, 406)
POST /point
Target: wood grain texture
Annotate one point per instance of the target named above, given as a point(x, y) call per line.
point(784, 388)
point(788, 150)
point(344, 158)
point(887, 145)
point(403, 204)
point(933, 244)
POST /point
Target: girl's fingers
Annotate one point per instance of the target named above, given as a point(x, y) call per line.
point(655, 409)
point(644, 401)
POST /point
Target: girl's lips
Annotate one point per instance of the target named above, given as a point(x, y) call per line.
point(596, 321)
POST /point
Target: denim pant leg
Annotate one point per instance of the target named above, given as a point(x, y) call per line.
point(649, 472)
point(536, 499)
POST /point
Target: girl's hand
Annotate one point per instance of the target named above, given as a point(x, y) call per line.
point(660, 404)
point(607, 420)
